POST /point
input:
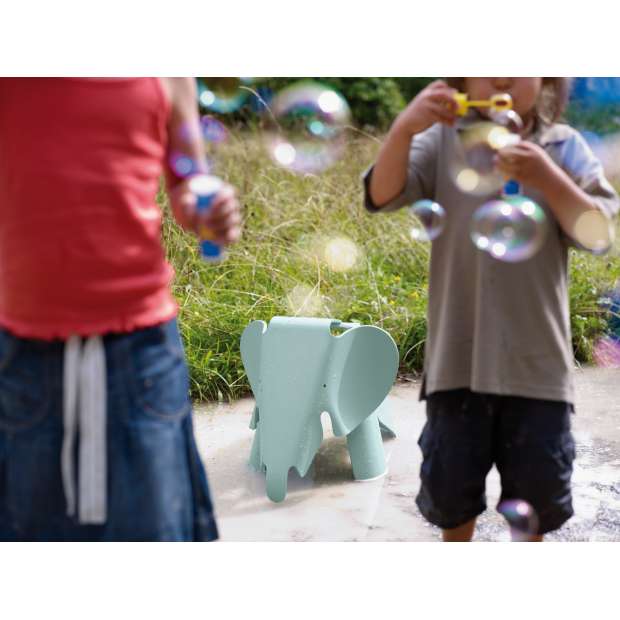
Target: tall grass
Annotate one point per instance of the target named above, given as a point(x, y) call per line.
point(272, 270)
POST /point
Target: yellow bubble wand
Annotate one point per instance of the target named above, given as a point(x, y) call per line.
point(497, 103)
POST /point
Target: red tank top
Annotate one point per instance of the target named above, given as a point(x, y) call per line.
point(80, 231)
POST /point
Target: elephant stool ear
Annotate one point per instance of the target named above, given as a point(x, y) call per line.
point(362, 371)
point(251, 340)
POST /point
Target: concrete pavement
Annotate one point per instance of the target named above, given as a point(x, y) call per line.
point(329, 505)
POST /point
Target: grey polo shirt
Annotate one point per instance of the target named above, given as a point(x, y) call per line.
point(494, 326)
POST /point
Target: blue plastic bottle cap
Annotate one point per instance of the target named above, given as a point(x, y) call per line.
point(512, 188)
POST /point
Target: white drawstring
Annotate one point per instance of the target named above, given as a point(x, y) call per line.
point(84, 410)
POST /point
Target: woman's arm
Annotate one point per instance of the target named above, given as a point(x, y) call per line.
point(223, 217)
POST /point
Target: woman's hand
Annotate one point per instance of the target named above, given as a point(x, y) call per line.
point(222, 218)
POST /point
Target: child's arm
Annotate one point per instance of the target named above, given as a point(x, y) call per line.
point(390, 173)
point(581, 194)
point(223, 217)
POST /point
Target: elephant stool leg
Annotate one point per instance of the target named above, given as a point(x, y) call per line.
point(366, 449)
point(277, 482)
point(256, 462)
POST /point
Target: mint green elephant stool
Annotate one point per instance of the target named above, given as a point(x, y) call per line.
point(298, 368)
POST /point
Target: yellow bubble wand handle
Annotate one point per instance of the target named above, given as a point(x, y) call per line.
point(497, 103)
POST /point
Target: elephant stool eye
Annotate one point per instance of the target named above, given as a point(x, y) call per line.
point(324, 385)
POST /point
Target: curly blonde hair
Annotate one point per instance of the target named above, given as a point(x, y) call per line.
point(551, 103)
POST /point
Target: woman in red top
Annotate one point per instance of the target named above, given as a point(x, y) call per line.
point(96, 439)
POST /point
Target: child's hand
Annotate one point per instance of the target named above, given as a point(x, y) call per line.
point(434, 104)
point(526, 163)
point(222, 218)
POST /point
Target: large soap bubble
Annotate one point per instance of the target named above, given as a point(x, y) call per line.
point(473, 168)
point(306, 127)
point(511, 230)
point(223, 94)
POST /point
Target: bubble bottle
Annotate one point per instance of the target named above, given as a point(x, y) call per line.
point(206, 187)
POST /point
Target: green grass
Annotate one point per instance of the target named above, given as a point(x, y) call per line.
point(283, 216)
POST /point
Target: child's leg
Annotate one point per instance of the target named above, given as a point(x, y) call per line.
point(462, 533)
point(457, 453)
point(534, 455)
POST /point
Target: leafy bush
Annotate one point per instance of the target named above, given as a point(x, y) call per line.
point(374, 102)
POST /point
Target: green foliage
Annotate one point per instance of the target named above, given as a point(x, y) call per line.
point(591, 278)
point(283, 213)
point(374, 101)
point(411, 86)
point(602, 119)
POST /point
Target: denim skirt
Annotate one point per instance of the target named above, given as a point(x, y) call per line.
point(157, 488)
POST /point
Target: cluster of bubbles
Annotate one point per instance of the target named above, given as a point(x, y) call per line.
point(304, 124)
point(511, 228)
point(607, 349)
point(210, 132)
point(304, 131)
point(521, 517)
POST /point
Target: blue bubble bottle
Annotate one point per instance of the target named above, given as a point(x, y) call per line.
point(206, 188)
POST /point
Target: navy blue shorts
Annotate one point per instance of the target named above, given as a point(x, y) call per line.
point(156, 484)
point(528, 440)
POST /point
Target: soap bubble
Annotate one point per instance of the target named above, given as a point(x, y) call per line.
point(223, 94)
point(209, 133)
point(183, 165)
point(337, 252)
point(522, 519)
point(341, 254)
point(209, 129)
point(213, 131)
point(429, 220)
point(304, 300)
point(510, 121)
point(511, 230)
point(306, 130)
point(474, 169)
point(594, 231)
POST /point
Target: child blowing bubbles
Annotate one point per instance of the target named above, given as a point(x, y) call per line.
point(498, 356)
point(96, 439)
